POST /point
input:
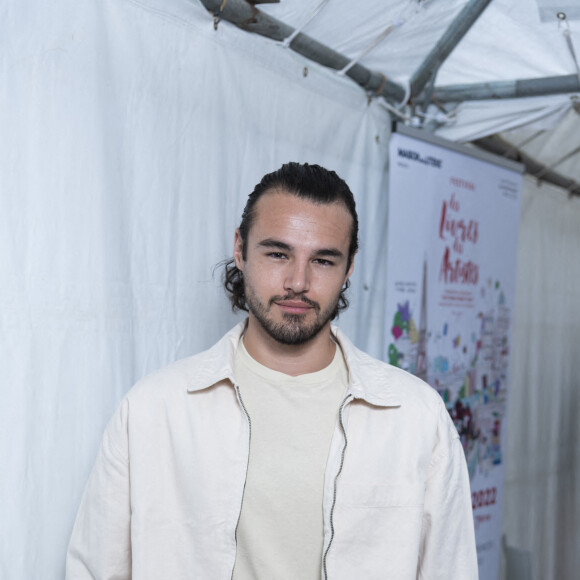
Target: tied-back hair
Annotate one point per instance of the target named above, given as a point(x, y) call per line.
point(306, 181)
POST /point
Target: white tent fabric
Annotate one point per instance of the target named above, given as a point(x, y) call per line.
point(130, 138)
point(482, 118)
point(130, 134)
point(541, 505)
point(557, 145)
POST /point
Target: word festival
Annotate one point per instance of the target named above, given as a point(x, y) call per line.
point(457, 232)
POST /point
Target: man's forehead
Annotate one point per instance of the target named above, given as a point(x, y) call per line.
point(301, 223)
point(277, 202)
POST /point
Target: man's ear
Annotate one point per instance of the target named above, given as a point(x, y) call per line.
point(350, 268)
point(238, 250)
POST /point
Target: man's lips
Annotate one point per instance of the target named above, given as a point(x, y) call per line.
point(293, 306)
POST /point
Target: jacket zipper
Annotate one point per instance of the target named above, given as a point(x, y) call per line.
point(246, 478)
point(341, 423)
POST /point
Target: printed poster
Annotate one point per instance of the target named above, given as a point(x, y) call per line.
point(452, 243)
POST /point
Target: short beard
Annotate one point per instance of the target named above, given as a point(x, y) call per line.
point(292, 331)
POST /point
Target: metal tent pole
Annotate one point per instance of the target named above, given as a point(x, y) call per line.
point(445, 45)
point(508, 89)
point(248, 17)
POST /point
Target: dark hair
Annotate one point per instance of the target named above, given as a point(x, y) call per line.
point(311, 182)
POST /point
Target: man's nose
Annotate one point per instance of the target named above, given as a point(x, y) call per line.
point(297, 278)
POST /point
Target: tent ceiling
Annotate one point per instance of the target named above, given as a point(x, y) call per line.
point(510, 29)
point(512, 40)
point(557, 148)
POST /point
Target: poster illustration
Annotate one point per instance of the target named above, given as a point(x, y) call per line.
point(452, 242)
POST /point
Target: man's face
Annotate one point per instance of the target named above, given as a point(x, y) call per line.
point(296, 265)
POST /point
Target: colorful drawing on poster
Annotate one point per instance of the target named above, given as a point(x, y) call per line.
point(405, 335)
point(469, 374)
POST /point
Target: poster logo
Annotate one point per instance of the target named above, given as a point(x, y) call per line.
point(428, 160)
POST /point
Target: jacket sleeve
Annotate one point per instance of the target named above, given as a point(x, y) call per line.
point(447, 549)
point(100, 546)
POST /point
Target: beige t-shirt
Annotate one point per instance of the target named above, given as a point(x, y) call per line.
point(280, 532)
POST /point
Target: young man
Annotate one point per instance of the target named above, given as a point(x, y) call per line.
point(283, 452)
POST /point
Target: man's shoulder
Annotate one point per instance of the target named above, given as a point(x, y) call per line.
point(406, 385)
point(191, 373)
point(382, 383)
point(174, 376)
point(417, 403)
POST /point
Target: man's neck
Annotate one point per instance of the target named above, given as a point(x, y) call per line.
point(293, 360)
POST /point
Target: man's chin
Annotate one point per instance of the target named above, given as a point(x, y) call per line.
point(289, 329)
point(295, 333)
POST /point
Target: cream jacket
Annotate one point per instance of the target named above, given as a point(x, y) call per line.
point(164, 496)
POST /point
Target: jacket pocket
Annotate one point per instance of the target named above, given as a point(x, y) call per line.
point(377, 531)
point(381, 496)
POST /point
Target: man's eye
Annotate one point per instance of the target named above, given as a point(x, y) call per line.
point(323, 262)
point(277, 255)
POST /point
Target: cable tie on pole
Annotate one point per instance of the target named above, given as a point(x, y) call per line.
point(217, 14)
point(379, 90)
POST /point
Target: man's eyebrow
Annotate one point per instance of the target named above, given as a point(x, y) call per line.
point(272, 243)
point(329, 252)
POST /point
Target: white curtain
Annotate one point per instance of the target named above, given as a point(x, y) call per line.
point(131, 135)
point(541, 511)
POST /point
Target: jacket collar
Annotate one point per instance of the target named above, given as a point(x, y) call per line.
point(369, 379)
point(372, 380)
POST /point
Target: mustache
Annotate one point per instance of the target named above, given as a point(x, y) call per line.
point(297, 298)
